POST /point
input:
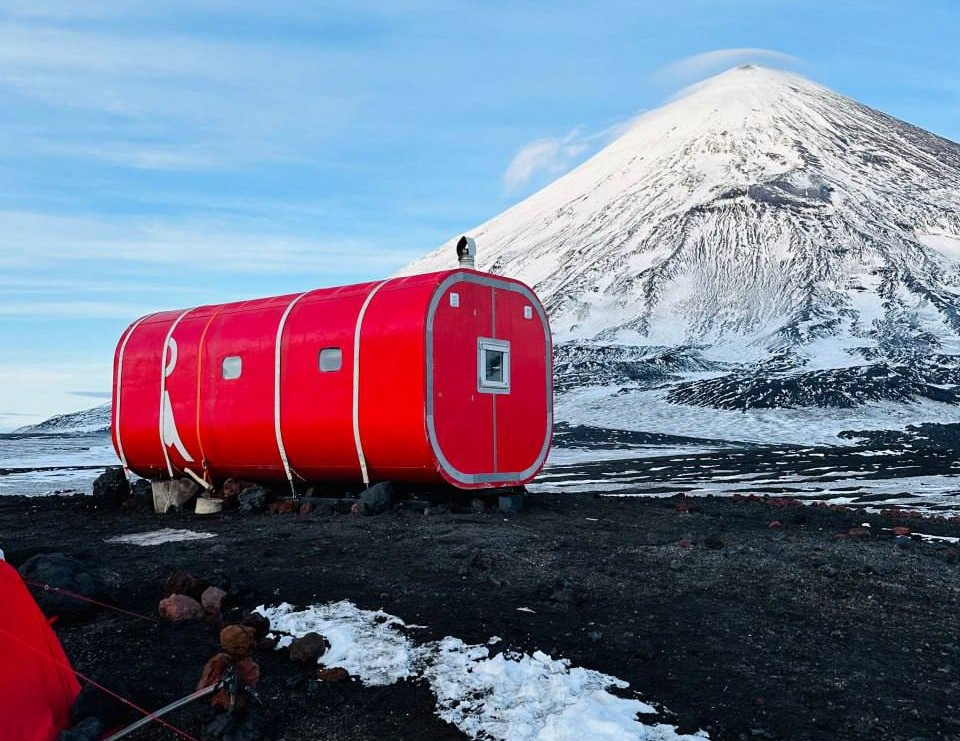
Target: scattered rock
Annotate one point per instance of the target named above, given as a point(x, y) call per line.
point(252, 499)
point(173, 494)
point(903, 541)
point(306, 508)
point(238, 640)
point(212, 600)
point(179, 608)
point(285, 507)
point(183, 582)
point(308, 648)
point(61, 571)
point(230, 491)
point(859, 532)
point(333, 674)
point(260, 624)
point(377, 499)
point(112, 486)
point(775, 525)
point(901, 530)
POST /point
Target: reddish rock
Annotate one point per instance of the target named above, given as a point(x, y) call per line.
point(684, 543)
point(859, 532)
point(212, 599)
point(248, 672)
point(237, 640)
point(333, 674)
point(183, 582)
point(306, 508)
point(901, 530)
point(231, 490)
point(180, 608)
point(286, 507)
point(775, 525)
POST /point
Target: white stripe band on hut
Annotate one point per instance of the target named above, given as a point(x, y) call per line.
point(356, 382)
point(276, 391)
point(116, 410)
point(166, 405)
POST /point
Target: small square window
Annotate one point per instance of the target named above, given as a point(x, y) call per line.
point(331, 359)
point(231, 368)
point(493, 366)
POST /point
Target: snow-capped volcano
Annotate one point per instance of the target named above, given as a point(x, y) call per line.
point(755, 210)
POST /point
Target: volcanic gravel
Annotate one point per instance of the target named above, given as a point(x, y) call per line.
point(749, 618)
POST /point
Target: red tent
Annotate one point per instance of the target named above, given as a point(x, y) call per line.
point(37, 686)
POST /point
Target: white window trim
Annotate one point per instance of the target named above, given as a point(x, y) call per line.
point(485, 385)
point(339, 352)
point(223, 367)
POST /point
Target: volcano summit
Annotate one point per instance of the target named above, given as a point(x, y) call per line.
point(756, 215)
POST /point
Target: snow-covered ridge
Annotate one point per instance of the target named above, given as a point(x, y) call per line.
point(96, 419)
point(757, 211)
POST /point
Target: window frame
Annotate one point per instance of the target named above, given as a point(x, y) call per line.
point(320, 353)
point(223, 367)
point(487, 385)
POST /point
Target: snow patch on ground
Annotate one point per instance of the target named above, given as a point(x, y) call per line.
point(509, 695)
point(522, 696)
point(156, 537)
point(365, 643)
point(567, 456)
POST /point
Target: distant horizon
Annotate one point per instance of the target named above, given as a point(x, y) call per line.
point(205, 154)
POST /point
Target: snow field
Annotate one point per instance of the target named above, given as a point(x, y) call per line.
point(509, 695)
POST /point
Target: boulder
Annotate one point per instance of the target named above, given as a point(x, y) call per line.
point(253, 499)
point(238, 640)
point(308, 648)
point(333, 674)
point(179, 608)
point(377, 499)
point(212, 600)
point(142, 488)
point(173, 494)
point(183, 582)
point(112, 486)
point(62, 571)
point(260, 624)
point(285, 507)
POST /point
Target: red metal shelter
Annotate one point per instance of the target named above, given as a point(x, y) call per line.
point(444, 377)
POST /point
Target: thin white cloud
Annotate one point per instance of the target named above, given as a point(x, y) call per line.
point(696, 67)
point(542, 157)
point(549, 157)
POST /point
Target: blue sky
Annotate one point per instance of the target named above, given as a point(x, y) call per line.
point(162, 155)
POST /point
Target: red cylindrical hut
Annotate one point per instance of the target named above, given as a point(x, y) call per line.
point(429, 379)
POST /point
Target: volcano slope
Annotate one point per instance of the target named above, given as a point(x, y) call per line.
point(805, 245)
